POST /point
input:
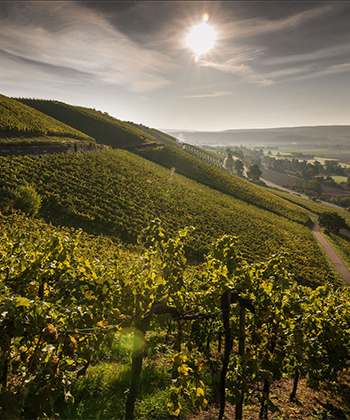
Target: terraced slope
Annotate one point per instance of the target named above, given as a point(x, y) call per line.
point(99, 125)
point(19, 122)
point(117, 193)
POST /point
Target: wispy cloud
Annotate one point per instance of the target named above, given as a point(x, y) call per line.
point(253, 48)
point(258, 26)
point(208, 95)
point(67, 35)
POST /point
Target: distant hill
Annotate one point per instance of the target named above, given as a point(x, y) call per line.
point(269, 136)
point(97, 124)
point(21, 122)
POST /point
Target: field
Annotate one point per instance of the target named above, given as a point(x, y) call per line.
point(278, 178)
point(343, 156)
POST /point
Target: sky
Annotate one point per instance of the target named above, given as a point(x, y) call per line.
point(273, 63)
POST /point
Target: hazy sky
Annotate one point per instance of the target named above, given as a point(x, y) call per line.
point(274, 63)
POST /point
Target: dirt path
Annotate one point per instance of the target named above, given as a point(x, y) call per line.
point(338, 263)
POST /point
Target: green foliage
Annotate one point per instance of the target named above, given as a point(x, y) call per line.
point(59, 291)
point(317, 208)
point(187, 382)
point(99, 125)
point(238, 167)
point(18, 119)
point(117, 193)
point(48, 289)
point(221, 181)
point(254, 173)
point(332, 221)
point(27, 199)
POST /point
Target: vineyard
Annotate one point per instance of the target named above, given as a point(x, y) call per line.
point(154, 285)
point(99, 125)
point(117, 193)
point(204, 155)
point(219, 180)
point(18, 119)
point(222, 331)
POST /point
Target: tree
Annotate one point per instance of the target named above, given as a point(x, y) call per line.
point(347, 185)
point(254, 173)
point(332, 167)
point(238, 166)
point(315, 186)
point(228, 161)
point(332, 221)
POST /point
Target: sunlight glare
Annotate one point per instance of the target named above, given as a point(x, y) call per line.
point(201, 37)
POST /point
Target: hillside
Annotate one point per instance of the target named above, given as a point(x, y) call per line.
point(117, 193)
point(222, 181)
point(19, 122)
point(97, 124)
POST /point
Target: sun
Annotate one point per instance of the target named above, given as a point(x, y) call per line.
point(201, 37)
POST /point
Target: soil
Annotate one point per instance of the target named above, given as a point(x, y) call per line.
point(332, 403)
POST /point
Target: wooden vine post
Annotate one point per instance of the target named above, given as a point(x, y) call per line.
point(228, 297)
point(225, 308)
point(241, 352)
point(141, 327)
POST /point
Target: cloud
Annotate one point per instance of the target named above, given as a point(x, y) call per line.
point(253, 27)
point(68, 36)
point(236, 62)
point(264, 51)
point(208, 95)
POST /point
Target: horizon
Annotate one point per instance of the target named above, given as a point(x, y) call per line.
point(256, 128)
point(268, 65)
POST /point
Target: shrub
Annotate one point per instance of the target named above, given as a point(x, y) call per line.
point(27, 200)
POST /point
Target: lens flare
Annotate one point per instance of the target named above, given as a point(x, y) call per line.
point(131, 339)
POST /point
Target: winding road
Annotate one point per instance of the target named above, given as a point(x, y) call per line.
point(338, 263)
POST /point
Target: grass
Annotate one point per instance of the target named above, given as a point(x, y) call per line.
point(102, 392)
point(339, 178)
